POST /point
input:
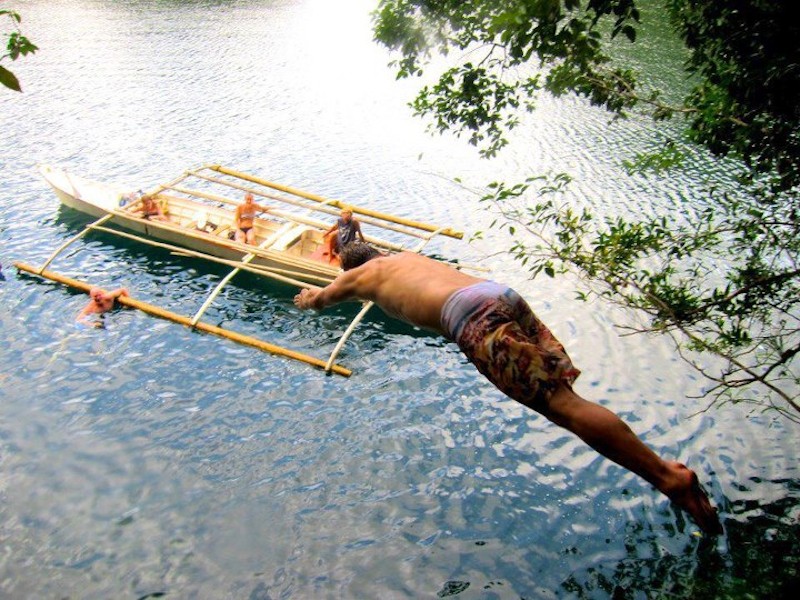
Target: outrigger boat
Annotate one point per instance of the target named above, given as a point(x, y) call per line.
point(198, 221)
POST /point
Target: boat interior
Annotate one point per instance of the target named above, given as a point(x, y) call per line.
point(295, 239)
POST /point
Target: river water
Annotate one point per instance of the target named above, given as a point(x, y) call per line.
point(145, 460)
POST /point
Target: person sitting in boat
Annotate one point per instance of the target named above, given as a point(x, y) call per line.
point(101, 301)
point(151, 209)
point(245, 218)
point(346, 228)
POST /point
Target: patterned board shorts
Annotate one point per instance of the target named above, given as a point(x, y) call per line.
point(512, 348)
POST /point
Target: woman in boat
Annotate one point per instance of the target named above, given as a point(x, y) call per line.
point(245, 218)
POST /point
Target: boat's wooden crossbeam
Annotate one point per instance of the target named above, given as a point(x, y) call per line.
point(183, 320)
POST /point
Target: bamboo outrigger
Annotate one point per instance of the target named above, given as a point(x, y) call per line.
point(289, 245)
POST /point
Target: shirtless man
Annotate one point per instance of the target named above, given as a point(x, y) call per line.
point(495, 328)
point(346, 228)
point(245, 215)
point(101, 301)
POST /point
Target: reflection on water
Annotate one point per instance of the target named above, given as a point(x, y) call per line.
point(146, 459)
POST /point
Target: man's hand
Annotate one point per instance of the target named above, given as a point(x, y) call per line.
point(305, 299)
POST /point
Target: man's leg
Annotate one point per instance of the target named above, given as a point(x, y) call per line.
point(610, 436)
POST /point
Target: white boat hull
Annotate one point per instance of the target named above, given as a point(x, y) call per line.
point(283, 254)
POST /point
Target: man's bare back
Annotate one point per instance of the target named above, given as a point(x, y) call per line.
point(407, 286)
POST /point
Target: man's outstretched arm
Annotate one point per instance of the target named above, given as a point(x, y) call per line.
point(346, 286)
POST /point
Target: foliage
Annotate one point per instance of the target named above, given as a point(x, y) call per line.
point(17, 45)
point(723, 279)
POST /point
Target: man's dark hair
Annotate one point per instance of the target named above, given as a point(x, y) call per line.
point(356, 254)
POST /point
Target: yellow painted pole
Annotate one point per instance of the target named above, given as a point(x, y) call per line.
point(183, 320)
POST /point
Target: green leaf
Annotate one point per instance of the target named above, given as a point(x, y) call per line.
point(629, 32)
point(14, 16)
point(8, 79)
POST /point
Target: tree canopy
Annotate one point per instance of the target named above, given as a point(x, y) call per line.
point(725, 281)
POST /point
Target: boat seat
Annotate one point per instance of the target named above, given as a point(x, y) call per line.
point(288, 235)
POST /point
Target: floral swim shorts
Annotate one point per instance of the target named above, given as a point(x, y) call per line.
point(497, 330)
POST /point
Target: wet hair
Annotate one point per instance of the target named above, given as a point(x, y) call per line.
point(356, 254)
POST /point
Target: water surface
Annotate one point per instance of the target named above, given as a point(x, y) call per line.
point(145, 459)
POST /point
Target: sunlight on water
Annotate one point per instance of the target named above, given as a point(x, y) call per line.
point(144, 459)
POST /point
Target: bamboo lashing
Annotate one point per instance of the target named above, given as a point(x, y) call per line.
point(183, 320)
point(339, 204)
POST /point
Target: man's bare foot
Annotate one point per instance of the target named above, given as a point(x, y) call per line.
point(688, 494)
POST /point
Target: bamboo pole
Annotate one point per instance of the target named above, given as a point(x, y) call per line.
point(339, 204)
point(321, 225)
point(306, 277)
point(292, 217)
point(347, 333)
point(296, 218)
point(260, 271)
point(366, 308)
point(263, 253)
point(75, 238)
point(183, 320)
point(202, 194)
point(164, 186)
point(323, 202)
point(247, 259)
